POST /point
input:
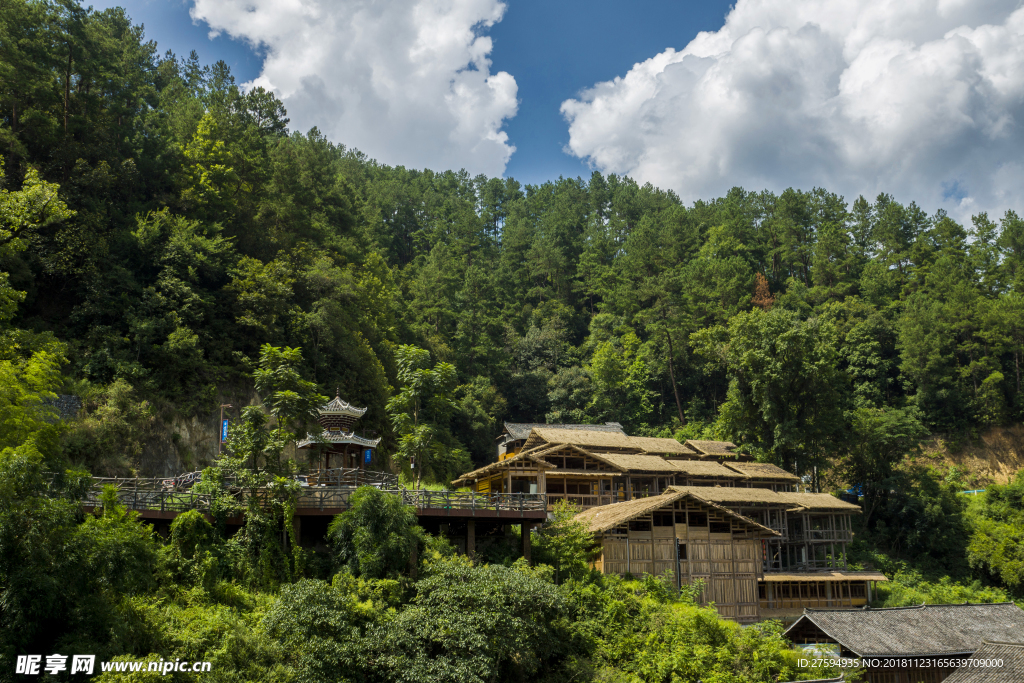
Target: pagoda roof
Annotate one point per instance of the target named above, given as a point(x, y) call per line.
point(336, 406)
point(336, 437)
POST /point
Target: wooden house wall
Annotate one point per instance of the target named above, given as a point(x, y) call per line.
point(728, 563)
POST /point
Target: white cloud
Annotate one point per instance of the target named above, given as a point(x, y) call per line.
point(406, 81)
point(920, 98)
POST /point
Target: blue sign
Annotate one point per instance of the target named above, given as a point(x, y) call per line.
point(366, 454)
point(224, 431)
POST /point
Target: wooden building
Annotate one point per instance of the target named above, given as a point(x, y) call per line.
point(689, 538)
point(980, 669)
point(910, 644)
point(785, 585)
point(337, 444)
point(802, 564)
point(604, 467)
point(514, 434)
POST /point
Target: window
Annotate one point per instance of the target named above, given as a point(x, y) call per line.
point(662, 519)
point(720, 528)
point(637, 525)
point(697, 519)
point(859, 589)
point(556, 487)
point(762, 592)
point(574, 463)
point(682, 551)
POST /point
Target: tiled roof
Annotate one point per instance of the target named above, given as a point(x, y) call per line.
point(917, 631)
point(338, 407)
point(1011, 669)
point(521, 430)
point(337, 437)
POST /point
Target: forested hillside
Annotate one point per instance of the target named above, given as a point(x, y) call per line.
point(197, 228)
point(201, 227)
point(164, 236)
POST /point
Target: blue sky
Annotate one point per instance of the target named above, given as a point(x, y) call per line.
point(921, 100)
point(553, 48)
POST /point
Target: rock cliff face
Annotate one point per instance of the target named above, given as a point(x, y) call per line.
point(185, 444)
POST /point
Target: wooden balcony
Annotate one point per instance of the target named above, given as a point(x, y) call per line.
point(823, 535)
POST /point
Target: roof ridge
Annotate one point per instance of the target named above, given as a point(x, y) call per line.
point(1001, 642)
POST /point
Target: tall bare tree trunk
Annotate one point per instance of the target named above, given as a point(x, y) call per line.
point(672, 376)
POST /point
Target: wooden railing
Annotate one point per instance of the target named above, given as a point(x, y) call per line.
point(583, 501)
point(351, 477)
point(456, 500)
point(153, 499)
point(144, 498)
point(810, 535)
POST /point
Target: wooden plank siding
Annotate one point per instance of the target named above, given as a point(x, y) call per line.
point(728, 561)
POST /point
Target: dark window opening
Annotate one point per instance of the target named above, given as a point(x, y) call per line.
point(574, 463)
point(637, 525)
point(556, 487)
point(721, 528)
point(697, 519)
point(662, 519)
point(682, 551)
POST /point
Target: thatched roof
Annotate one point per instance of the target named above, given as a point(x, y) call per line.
point(617, 441)
point(925, 630)
point(607, 517)
point(797, 502)
point(521, 430)
point(661, 446)
point(586, 439)
point(711, 447)
point(763, 470)
point(775, 577)
point(818, 502)
point(705, 468)
point(734, 495)
point(636, 462)
point(1011, 656)
point(488, 470)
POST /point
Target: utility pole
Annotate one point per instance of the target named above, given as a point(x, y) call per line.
point(223, 428)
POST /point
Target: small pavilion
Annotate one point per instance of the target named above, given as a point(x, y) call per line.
point(337, 443)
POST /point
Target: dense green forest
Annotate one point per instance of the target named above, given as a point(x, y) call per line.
point(162, 230)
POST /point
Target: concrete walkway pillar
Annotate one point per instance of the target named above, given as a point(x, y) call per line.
point(471, 538)
point(525, 526)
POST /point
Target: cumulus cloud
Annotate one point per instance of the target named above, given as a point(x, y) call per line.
point(406, 81)
point(923, 99)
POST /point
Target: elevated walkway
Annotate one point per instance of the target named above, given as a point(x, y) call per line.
point(325, 493)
